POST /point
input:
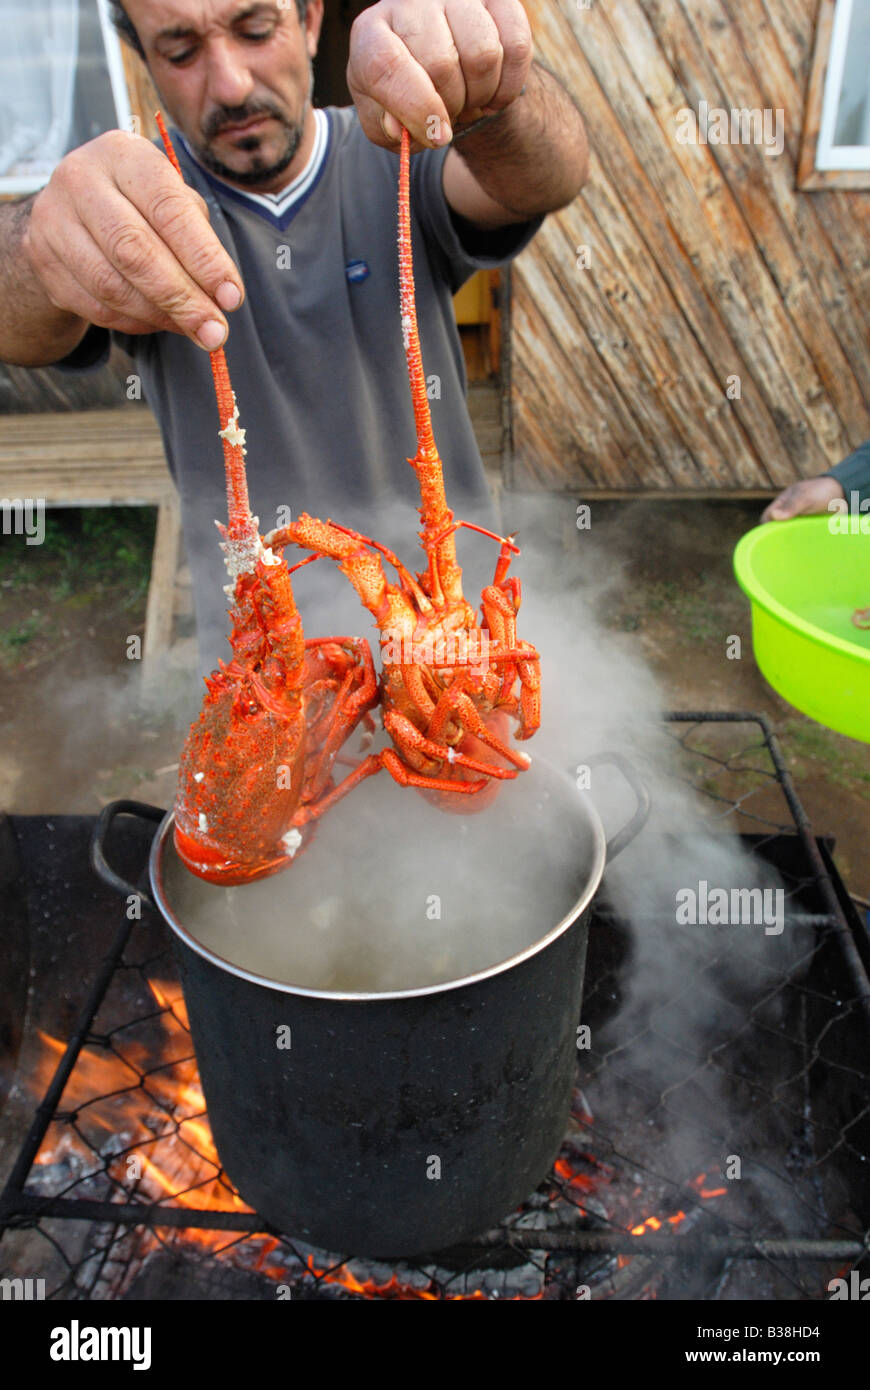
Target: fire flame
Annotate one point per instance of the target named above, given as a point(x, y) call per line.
point(145, 1094)
point(154, 1110)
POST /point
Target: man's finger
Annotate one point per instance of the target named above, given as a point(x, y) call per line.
point(481, 55)
point(432, 45)
point(81, 271)
point(384, 77)
point(65, 291)
point(515, 36)
point(809, 497)
point(138, 252)
point(776, 511)
point(180, 217)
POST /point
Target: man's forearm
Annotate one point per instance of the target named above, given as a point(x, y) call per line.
point(33, 332)
point(533, 157)
point(853, 472)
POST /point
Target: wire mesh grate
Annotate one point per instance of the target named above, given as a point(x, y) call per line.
point(717, 1146)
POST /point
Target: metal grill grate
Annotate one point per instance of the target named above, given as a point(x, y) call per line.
point(118, 1177)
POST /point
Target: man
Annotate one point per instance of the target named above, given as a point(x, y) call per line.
point(287, 222)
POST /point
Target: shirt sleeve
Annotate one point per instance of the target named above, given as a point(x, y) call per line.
point(90, 354)
point(460, 247)
point(95, 347)
point(853, 473)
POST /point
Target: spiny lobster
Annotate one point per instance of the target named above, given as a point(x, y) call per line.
point(257, 765)
point(448, 686)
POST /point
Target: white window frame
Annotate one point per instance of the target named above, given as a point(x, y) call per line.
point(829, 155)
point(16, 185)
point(810, 177)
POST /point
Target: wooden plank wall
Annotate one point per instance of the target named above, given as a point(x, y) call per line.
point(705, 264)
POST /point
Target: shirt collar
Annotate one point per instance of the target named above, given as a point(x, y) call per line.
point(278, 207)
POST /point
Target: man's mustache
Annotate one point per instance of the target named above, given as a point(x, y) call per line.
point(224, 116)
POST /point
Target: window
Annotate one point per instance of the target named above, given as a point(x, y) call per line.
point(835, 149)
point(61, 83)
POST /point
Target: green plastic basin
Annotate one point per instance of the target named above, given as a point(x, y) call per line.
point(805, 582)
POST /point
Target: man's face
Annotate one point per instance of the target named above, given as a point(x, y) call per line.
point(235, 76)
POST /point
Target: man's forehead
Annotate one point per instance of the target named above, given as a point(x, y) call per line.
point(153, 17)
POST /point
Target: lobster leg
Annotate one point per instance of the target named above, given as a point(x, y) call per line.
point(314, 810)
point(418, 752)
point(530, 696)
point(454, 702)
point(501, 619)
point(348, 707)
point(353, 552)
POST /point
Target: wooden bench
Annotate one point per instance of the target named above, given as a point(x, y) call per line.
point(101, 458)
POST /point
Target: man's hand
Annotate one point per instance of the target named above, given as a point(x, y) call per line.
point(115, 238)
point(429, 65)
point(806, 498)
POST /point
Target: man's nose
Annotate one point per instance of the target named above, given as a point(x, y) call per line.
point(230, 81)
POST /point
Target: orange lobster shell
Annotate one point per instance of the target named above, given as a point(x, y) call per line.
point(256, 767)
point(449, 685)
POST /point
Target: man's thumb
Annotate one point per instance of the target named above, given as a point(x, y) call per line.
point(779, 509)
point(391, 127)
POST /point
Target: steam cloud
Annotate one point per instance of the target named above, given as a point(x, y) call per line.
point(394, 894)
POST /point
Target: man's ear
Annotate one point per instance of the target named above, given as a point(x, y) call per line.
point(313, 24)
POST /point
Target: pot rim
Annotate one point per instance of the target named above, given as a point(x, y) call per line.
point(575, 912)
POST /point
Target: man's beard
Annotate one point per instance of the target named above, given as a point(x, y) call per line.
point(258, 171)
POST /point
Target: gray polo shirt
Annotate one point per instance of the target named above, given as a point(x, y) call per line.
point(317, 364)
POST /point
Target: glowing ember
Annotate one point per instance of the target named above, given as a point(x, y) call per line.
point(702, 1191)
point(655, 1223)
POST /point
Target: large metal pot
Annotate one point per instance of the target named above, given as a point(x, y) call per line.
point(392, 1121)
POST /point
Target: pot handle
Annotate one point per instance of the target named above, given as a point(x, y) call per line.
point(101, 865)
point(617, 843)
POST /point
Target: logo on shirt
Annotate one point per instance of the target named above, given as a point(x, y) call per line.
point(357, 271)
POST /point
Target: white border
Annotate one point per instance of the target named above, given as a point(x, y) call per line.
point(828, 155)
point(20, 184)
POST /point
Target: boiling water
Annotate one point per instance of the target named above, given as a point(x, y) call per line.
point(390, 893)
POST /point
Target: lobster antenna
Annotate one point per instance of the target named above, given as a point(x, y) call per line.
point(241, 522)
point(435, 514)
point(410, 335)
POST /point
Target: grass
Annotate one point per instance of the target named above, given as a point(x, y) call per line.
point(809, 743)
point(84, 545)
point(697, 612)
point(19, 634)
point(809, 750)
point(91, 557)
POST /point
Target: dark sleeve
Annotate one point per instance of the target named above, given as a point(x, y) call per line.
point(853, 474)
point(461, 247)
point(92, 352)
